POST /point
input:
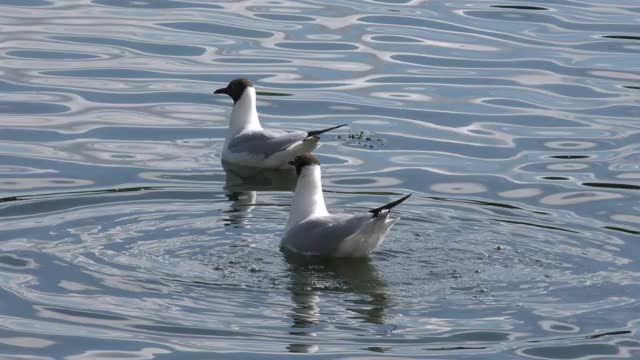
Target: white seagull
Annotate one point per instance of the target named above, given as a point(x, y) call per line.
point(311, 230)
point(247, 143)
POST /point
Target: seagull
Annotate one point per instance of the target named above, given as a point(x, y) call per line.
point(311, 230)
point(248, 144)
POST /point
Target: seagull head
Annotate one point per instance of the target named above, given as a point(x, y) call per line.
point(235, 88)
point(303, 160)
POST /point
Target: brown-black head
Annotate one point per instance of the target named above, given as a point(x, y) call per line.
point(235, 88)
point(303, 160)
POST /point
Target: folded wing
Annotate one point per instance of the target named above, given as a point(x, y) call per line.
point(265, 143)
point(322, 235)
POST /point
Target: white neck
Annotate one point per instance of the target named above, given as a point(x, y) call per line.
point(244, 115)
point(307, 199)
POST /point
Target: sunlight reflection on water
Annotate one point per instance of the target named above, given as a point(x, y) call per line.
point(513, 126)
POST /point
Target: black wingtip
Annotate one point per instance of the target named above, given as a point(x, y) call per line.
point(318, 132)
point(388, 206)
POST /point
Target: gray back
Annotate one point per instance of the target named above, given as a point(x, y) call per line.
point(323, 235)
point(266, 142)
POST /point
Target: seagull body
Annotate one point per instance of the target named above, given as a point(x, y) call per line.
point(311, 230)
point(248, 144)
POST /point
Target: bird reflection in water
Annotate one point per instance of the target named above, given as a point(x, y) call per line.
point(242, 184)
point(312, 276)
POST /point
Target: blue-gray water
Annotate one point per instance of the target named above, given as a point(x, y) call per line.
point(514, 124)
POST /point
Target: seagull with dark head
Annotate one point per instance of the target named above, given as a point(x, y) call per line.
point(247, 143)
point(311, 230)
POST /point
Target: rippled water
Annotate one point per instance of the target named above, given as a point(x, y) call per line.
point(514, 124)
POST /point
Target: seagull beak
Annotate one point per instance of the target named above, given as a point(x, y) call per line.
point(222, 91)
point(292, 163)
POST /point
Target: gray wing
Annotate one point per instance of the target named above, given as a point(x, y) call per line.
point(265, 143)
point(323, 235)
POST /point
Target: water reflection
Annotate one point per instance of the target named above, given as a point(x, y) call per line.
point(244, 178)
point(312, 278)
point(242, 184)
point(514, 123)
point(242, 203)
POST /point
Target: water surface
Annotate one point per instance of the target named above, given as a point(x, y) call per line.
point(513, 124)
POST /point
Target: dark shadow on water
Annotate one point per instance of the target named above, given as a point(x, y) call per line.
point(519, 7)
point(569, 157)
point(245, 178)
point(31, 204)
point(579, 351)
point(242, 203)
point(537, 225)
point(242, 184)
point(612, 185)
point(609, 333)
point(271, 93)
point(312, 277)
point(622, 37)
point(617, 228)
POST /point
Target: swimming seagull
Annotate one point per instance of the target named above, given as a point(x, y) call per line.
point(247, 143)
point(311, 230)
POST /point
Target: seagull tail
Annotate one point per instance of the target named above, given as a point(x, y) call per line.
point(389, 206)
point(318, 132)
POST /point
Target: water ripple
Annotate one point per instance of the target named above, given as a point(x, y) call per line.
point(211, 28)
point(513, 124)
point(142, 46)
